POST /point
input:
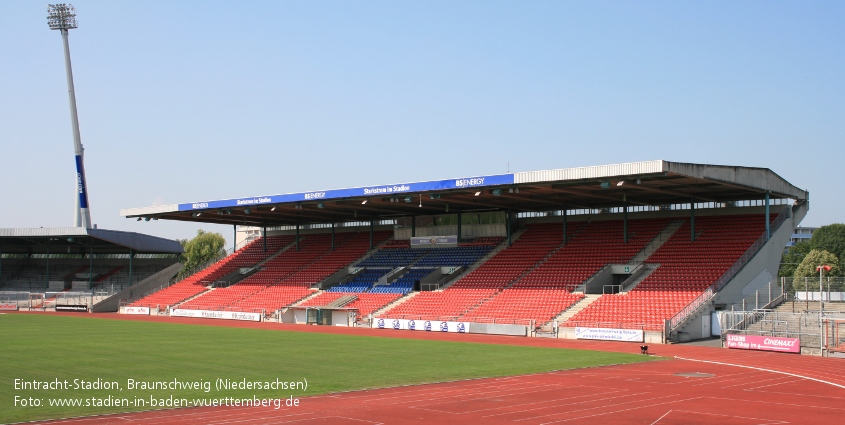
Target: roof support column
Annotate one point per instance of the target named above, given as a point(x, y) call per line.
point(48, 268)
point(508, 226)
point(413, 226)
point(1, 266)
point(332, 236)
point(235, 240)
point(565, 237)
point(692, 219)
point(297, 237)
point(90, 265)
point(625, 219)
point(372, 226)
point(264, 237)
point(768, 226)
point(459, 226)
point(131, 254)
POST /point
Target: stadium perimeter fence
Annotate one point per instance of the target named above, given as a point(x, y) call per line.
point(818, 332)
point(53, 301)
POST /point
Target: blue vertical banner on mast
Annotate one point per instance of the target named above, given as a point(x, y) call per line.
point(80, 182)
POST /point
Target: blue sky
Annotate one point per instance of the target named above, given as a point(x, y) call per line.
point(189, 101)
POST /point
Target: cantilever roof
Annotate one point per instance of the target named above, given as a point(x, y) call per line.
point(79, 239)
point(642, 183)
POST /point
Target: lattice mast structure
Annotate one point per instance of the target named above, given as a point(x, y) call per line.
point(62, 17)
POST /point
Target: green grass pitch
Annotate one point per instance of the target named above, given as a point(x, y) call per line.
point(49, 348)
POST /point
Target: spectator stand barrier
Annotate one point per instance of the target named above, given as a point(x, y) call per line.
point(220, 312)
point(459, 324)
point(14, 300)
point(643, 332)
point(69, 301)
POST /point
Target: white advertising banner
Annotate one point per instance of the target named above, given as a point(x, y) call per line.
point(434, 241)
point(627, 335)
point(211, 314)
point(136, 310)
point(421, 325)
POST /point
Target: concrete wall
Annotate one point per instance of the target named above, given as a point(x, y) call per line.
point(110, 304)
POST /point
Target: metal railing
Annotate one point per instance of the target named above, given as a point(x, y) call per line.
point(767, 297)
point(744, 259)
point(809, 328)
point(811, 285)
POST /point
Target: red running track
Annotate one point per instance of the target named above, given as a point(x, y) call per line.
point(699, 385)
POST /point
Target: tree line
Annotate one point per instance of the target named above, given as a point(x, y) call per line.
point(825, 247)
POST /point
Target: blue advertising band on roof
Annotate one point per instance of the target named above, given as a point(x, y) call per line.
point(383, 190)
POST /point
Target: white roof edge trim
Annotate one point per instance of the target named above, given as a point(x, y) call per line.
point(158, 209)
point(44, 231)
point(592, 172)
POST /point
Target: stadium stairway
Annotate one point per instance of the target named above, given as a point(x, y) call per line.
point(575, 308)
point(376, 248)
point(657, 242)
point(641, 269)
point(487, 279)
point(305, 299)
point(401, 300)
point(292, 244)
point(503, 245)
point(640, 275)
point(312, 264)
point(197, 283)
point(259, 264)
point(540, 285)
point(186, 300)
point(342, 301)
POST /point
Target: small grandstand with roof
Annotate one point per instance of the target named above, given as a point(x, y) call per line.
point(653, 246)
point(44, 268)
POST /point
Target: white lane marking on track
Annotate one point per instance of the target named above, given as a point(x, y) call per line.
point(334, 416)
point(765, 370)
point(767, 421)
point(664, 415)
point(566, 401)
point(671, 398)
point(511, 406)
point(623, 410)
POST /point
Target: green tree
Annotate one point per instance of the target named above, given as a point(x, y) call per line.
point(807, 269)
point(793, 257)
point(204, 247)
point(830, 238)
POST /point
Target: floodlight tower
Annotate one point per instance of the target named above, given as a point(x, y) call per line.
point(62, 17)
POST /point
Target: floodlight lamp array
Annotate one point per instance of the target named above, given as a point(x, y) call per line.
point(61, 16)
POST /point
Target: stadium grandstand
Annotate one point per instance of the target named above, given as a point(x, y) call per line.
point(651, 247)
point(53, 267)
